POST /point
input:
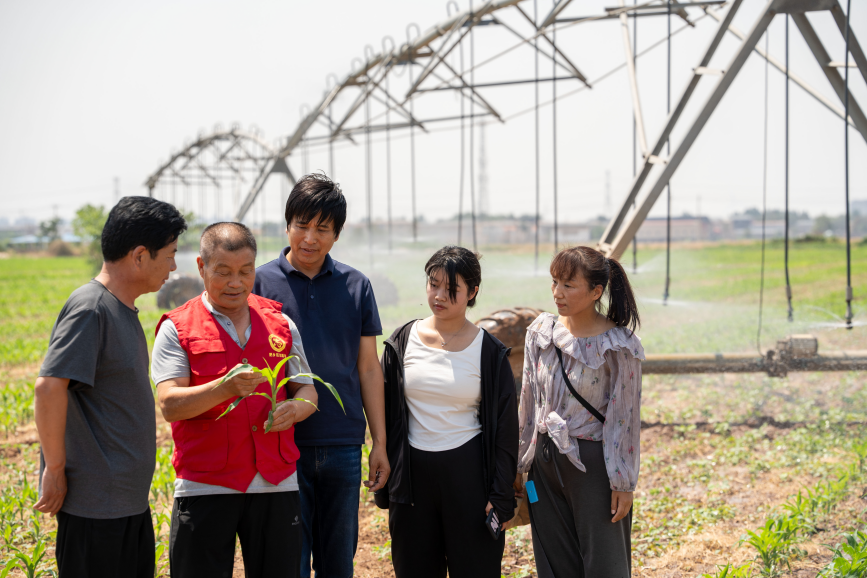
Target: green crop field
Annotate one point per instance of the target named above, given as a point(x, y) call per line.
point(742, 475)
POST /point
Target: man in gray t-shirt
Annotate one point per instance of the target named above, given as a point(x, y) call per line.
point(94, 405)
point(98, 345)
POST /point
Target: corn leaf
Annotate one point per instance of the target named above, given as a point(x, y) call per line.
point(283, 382)
point(280, 365)
point(305, 400)
point(11, 564)
point(238, 401)
point(326, 384)
point(269, 375)
point(240, 369)
point(232, 406)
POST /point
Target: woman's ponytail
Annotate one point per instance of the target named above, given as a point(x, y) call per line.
point(622, 309)
point(598, 269)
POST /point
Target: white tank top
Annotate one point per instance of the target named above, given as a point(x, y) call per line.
point(443, 392)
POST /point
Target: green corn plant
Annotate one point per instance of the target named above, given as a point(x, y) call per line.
point(161, 519)
point(774, 543)
point(159, 564)
point(36, 531)
point(860, 449)
point(9, 533)
point(383, 551)
point(804, 508)
point(29, 563)
point(163, 482)
point(731, 571)
point(271, 375)
point(850, 558)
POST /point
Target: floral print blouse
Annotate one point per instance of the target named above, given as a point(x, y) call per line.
point(606, 371)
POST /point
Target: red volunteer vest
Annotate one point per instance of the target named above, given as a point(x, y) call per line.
point(228, 452)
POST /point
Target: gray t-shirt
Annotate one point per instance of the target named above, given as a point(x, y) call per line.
point(170, 362)
point(99, 345)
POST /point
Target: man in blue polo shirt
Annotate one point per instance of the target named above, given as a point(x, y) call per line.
point(335, 311)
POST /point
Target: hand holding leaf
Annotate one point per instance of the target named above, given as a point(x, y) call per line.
point(242, 380)
point(271, 375)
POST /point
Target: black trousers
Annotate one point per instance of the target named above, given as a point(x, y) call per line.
point(573, 535)
point(113, 548)
point(267, 525)
point(444, 530)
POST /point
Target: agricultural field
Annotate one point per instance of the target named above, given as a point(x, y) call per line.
point(742, 475)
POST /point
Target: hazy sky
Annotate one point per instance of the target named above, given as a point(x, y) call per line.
point(91, 90)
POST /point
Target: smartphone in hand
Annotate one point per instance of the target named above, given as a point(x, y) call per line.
point(493, 524)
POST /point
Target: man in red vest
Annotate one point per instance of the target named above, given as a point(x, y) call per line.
point(232, 477)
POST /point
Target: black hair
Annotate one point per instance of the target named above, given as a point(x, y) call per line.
point(456, 261)
point(316, 194)
point(227, 235)
point(137, 221)
point(597, 269)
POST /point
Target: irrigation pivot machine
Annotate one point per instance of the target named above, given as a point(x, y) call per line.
point(408, 88)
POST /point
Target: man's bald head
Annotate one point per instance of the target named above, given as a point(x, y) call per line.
point(227, 236)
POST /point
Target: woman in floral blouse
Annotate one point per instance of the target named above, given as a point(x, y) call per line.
point(582, 458)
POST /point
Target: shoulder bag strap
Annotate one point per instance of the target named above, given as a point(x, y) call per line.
point(581, 400)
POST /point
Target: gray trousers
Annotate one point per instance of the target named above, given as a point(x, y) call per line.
point(573, 535)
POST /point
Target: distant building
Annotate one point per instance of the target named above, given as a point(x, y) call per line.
point(858, 207)
point(654, 229)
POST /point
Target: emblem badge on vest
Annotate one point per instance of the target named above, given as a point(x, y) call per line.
point(277, 343)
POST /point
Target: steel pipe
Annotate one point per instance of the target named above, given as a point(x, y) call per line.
point(772, 364)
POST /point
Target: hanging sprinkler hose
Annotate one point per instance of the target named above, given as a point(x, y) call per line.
point(849, 307)
point(846, 162)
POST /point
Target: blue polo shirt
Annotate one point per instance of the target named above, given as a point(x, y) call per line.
point(332, 311)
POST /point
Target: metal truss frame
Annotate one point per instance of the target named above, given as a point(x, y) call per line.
point(625, 224)
point(429, 50)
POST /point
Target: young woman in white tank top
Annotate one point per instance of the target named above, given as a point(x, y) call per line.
point(451, 415)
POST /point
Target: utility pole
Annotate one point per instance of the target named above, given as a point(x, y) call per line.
point(116, 189)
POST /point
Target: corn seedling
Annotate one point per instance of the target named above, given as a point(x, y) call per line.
point(774, 543)
point(163, 482)
point(860, 449)
point(159, 564)
point(383, 551)
point(731, 571)
point(271, 375)
point(29, 563)
point(161, 519)
point(850, 558)
point(9, 533)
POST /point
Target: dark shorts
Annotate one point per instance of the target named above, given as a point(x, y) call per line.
point(105, 548)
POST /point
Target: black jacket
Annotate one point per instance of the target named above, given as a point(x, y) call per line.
point(498, 413)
